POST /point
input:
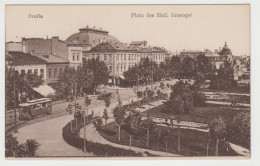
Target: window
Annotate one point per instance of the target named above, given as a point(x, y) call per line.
point(117, 57)
point(35, 71)
point(121, 68)
point(29, 71)
point(121, 57)
point(110, 57)
point(124, 67)
point(22, 72)
point(110, 68)
point(105, 57)
point(117, 69)
point(129, 57)
point(41, 73)
point(125, 57)
point(55, 72)
point(50, 73)
point(77, 57)
point(73, 57)
point(60, 71)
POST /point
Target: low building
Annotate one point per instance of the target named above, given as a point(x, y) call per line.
point(55, 65)
point(25, 63)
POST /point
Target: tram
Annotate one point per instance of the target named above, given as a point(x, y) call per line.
point(32, 108)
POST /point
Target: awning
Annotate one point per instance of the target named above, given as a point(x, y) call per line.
point(121, 76)
point(44, 90)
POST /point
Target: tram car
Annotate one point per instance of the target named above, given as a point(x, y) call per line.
point(32, 108)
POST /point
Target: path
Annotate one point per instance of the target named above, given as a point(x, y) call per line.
point(94, 136)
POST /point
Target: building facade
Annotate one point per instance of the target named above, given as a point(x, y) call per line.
point(119, 57)
point(25, 63)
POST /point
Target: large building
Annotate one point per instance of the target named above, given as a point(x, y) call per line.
point(216, 57)
point(120, 57)
point(85, 44)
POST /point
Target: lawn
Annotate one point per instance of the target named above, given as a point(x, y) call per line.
point(199, 114)
point(193, 143)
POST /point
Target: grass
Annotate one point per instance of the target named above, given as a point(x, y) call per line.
point(199, 114)
point(193, 143)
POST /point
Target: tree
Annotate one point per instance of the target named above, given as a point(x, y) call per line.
point(18, 87)
point(217, 129)
point(133, 123)
point(107, 104)
point(105, 116)
point(239, 129)
point(97, 124)
point(224, 80)
point(119, 115)
point(87, 102)
point(162, 85)
point(148, 125)
point(139, 95)
point(14, 149)
point(183, 90)
point(164, 139)
point(73, 81)
point(175, 105)
point(99, 70)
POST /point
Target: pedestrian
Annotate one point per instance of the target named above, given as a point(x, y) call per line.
point(171, 121)
point(166, 119)
point(92, 113)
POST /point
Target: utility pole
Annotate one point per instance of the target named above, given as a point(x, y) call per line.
point(15, 125)
point(84, 148)
point(75, 100)
point(152, 78)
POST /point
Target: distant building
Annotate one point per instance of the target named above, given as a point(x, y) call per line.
point(216, 57)
point(14, 46)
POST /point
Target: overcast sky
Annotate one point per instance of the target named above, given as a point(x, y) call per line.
point(209, 27)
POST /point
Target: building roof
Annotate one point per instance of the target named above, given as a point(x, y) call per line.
point(21, 58)
point(51, 58)
point(87, 28)
point(106, 47)
point(92, 37)
point(137, 42)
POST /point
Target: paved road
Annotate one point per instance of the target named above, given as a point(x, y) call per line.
point(49, 133)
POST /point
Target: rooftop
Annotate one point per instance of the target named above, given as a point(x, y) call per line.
point(21, 58)
point(51, 58)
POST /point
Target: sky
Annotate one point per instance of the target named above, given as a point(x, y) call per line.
point(208, 27)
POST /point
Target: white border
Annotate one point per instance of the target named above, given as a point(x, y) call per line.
point(255, 81)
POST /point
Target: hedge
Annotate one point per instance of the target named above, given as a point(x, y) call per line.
point(101, 150)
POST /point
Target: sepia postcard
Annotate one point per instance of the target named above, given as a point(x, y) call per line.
point(127, 82)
